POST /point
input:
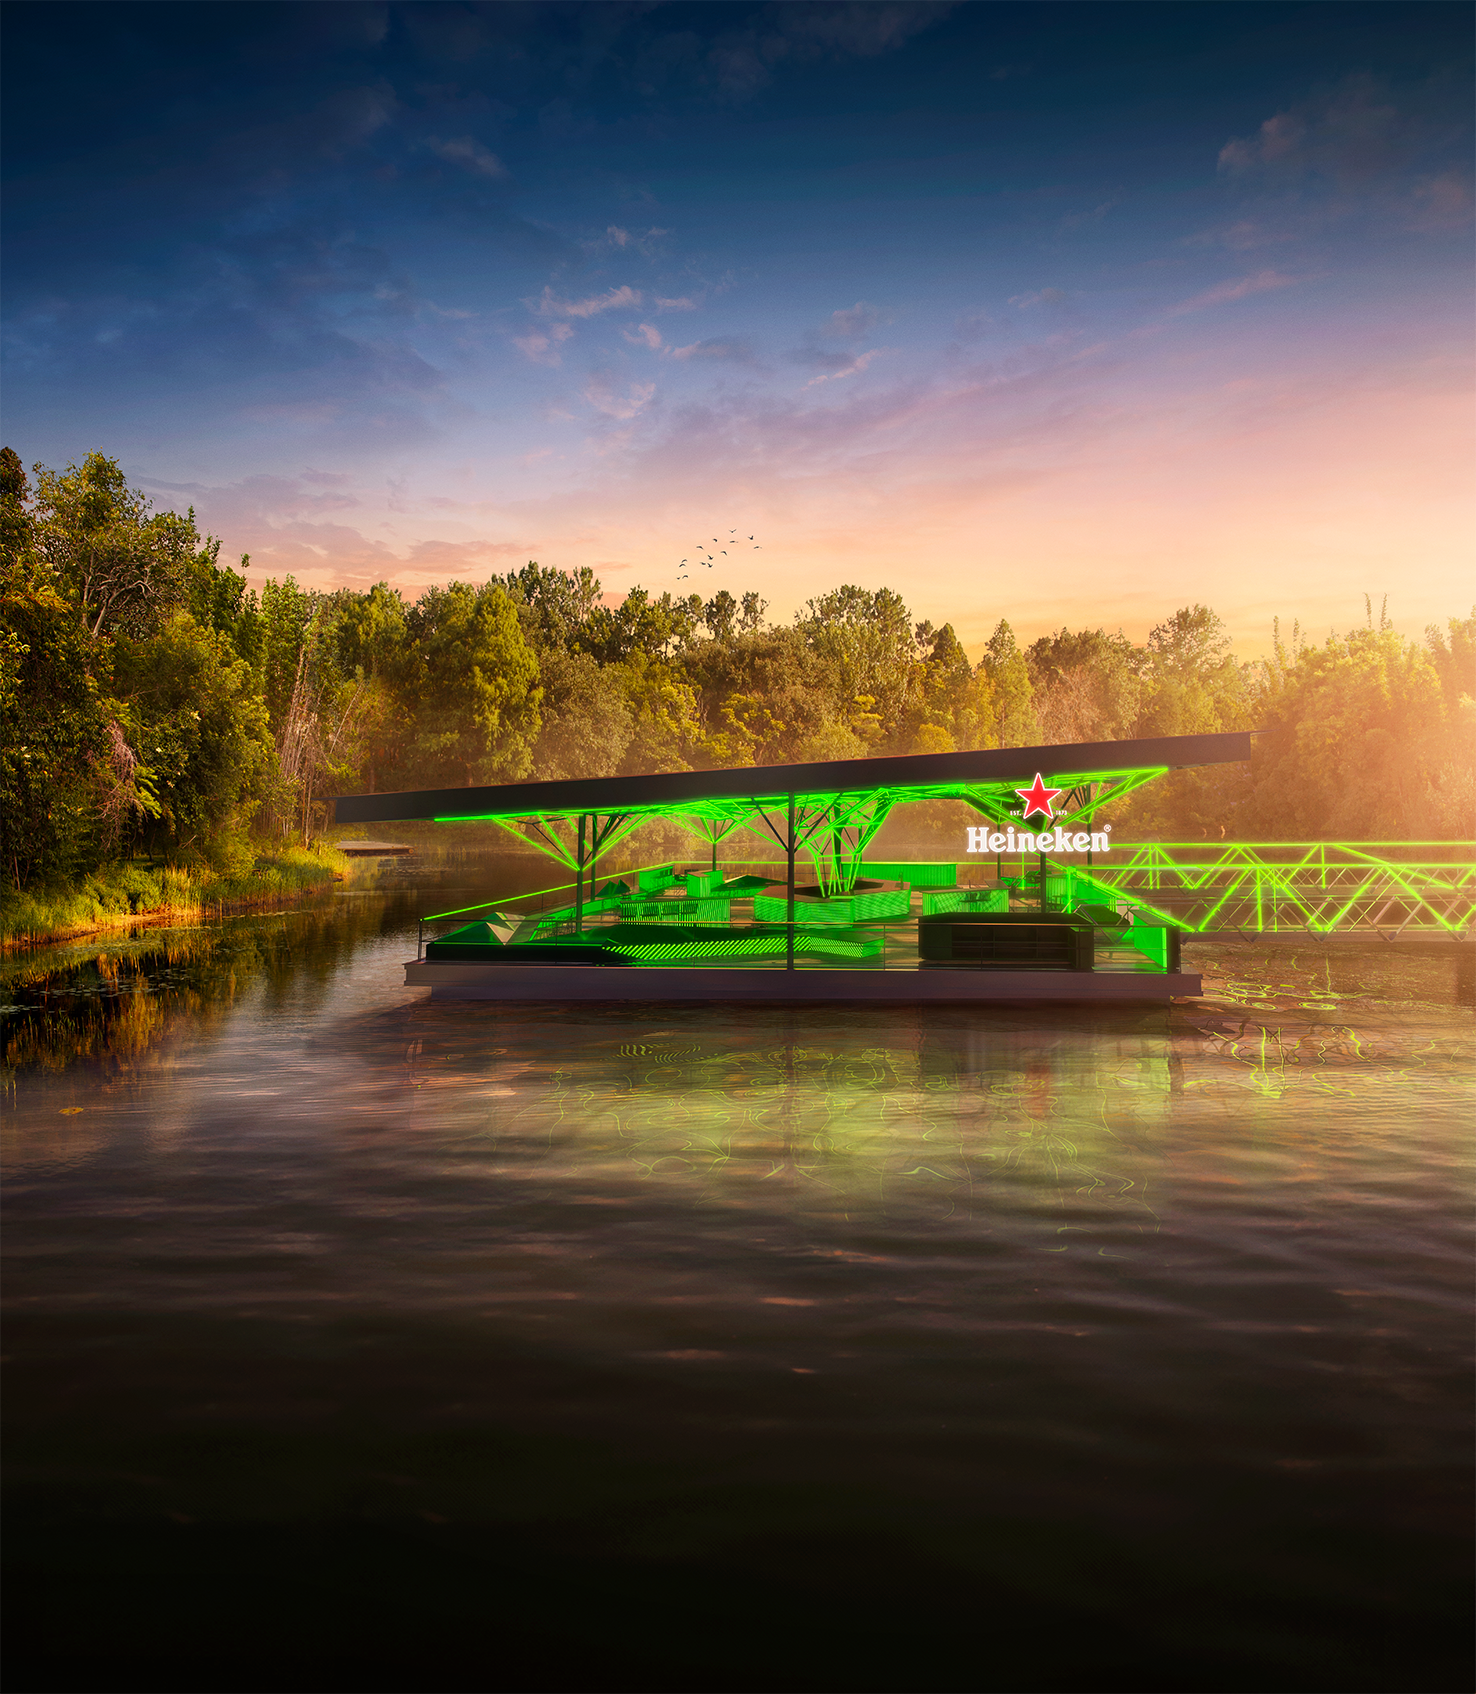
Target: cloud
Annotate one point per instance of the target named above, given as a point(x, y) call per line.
point(738, 63)
point(1440, 203)
point(734, 349)
point(643, 242)
point(603, 397)
point(548, 305)
point(1236, 289)
point(1355, 134)
point(851, 323)
point(969, 326)
point(852, 368)
point(862, 27)
point(1243, 236)
point(1041, 297)
point(1082, 220)
point(541, 346)
point(680, 304)
point(644, 335)
point(469, 153)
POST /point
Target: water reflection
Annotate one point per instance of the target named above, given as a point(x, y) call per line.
point(890, 1116)
point(1096, 1284)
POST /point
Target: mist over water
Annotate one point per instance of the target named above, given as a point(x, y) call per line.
point(396, 1344)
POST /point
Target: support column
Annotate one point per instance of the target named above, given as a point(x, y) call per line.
point(789, 848)
point(579, 881)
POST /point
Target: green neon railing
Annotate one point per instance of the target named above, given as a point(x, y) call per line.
point(1301, 887)
point(1270, 887)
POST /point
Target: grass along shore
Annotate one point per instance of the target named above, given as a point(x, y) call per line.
point(118, 896)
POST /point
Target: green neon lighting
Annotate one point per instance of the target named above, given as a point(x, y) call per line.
point(1306, 888)
point(752, 947)
point(1284, 887)
point(832, 829)
point(512, 899)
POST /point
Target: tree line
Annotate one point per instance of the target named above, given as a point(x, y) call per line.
point(156, 705)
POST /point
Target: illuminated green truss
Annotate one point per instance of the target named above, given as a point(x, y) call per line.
point(1276, 887)
point(833, 830)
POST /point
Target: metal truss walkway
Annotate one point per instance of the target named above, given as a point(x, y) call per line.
point(1385, 888)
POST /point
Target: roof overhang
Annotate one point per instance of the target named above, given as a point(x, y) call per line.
point(925, 776)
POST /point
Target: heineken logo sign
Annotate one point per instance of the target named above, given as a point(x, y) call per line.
point(1039, 801)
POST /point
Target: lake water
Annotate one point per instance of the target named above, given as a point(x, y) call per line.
point(359, 1342)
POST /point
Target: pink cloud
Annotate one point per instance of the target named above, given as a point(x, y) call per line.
point(1442, 202)
point(857, 365)
point(542, 346)
point(1236, 289)
point(549, 305)
point(603, 397)
point(469, 153)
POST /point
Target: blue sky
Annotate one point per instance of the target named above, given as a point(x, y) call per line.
point(1063, 313)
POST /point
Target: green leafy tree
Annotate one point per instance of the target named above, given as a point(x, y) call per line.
point(1361, 742)
point(658, 628)
point(664, 711)
point(588, 719)
point(721, 615)
point(287, 611)
point(1085, 685)
point(867, 644)
point(219, 599)
point(124, 566)
point(1003, 667)
point(69, 781)
point(554, 606)
point(475, 687)
point(1193, 686)
point(202, 729)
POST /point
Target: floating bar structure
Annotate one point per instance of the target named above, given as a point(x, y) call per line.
point(1052, 931)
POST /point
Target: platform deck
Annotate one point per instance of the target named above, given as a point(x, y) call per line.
point(524, 983)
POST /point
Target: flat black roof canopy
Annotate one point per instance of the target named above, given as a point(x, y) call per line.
point(916, 777)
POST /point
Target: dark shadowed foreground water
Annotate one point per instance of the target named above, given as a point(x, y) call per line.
point(357, 1342)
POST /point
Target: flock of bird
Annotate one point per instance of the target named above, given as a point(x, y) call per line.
point(705, 557)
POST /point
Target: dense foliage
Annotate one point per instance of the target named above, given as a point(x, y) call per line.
point(154, 705)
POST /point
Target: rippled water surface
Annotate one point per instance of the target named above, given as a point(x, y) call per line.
point(359, 1342)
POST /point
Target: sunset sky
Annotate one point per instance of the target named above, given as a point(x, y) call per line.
point(1066, 314)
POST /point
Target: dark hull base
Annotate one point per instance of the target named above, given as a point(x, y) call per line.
point(604, 983)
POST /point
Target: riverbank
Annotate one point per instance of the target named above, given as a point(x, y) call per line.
point(121, 896)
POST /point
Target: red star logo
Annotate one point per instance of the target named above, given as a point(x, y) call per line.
point(1038, 797)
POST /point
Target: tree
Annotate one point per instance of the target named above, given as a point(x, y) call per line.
point(751, 613)
point(475, 687)
point(124, 566)
point(1357, 744)
point(1085, 685)
point(663, 707)
point(720, 614)
point(1193, 686)
point(17, 526)
point(1004, 667)
point(868, 643)
point(588, 722)
point(657, 628)
point(287, 611)
point(554, 606)
point(201, 729)
point(218, 599)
